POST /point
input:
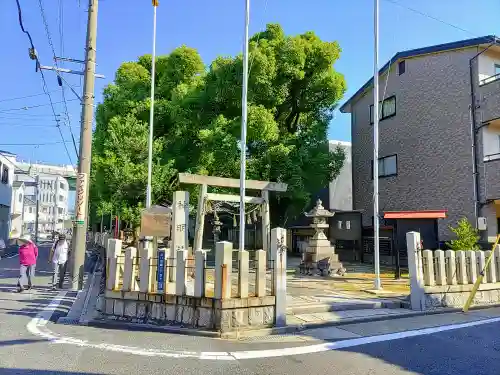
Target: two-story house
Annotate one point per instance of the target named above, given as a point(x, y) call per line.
point(439, 134)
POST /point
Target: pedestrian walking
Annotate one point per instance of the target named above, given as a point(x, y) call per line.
point(59, 256)
point(28, 254)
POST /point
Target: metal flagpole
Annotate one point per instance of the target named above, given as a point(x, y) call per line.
point(376, 223)
point(243, 142)
point(151, 110)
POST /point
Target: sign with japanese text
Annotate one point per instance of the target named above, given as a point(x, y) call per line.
point(81, 207)
point(160, 275)
point(155, 224)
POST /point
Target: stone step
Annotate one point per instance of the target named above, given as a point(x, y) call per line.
point(311, 308)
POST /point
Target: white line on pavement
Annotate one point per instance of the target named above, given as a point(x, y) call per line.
point(38, 327)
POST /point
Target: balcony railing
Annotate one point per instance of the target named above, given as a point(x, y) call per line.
point(487, 80)
point(491, 157)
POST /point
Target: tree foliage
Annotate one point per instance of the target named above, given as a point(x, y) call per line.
point(467, 236)
point(293, 90)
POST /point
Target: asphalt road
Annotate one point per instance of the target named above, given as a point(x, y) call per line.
point(473, 350)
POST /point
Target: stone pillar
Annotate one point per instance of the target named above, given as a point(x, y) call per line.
point(243, 261)
point(200, 219)
point(170, 265)
point(451, 267)
point(461, 268)
point(496, 260)
point(278, 249)
point(180, 273)
point(440, 267)
point(200, 256)
point(260, 273)
point(428, 267)
point(491, 273)
point(145, 272)
point(180, 222)
point(471, 266)
point(223, 256)
point(417, 294)
point(481, 265)
point(104, 241)
point(113, 252)
point(266, 222)
point(129, 272)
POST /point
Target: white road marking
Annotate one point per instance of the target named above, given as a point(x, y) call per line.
point(38, 327)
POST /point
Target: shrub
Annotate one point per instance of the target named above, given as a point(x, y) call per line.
point(467, 236)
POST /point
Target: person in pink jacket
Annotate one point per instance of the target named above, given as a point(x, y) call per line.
point(28, 254)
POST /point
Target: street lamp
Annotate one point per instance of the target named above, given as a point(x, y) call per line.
point(244, 112)
point(151, 110)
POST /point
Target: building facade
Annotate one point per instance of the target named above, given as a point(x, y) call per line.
point(7, 160)
point(439, 134)
point(340, 189)
point(53, 202)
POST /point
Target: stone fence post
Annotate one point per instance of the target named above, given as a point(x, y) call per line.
point(129, 271)
point(145, 272)
point(278, 251)
point(223, 268)
point(114, 250)
point(415, 269)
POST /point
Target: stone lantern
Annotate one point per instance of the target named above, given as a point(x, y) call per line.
point(319, 249)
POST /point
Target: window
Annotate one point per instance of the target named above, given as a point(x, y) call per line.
point(347, 225)
point(5, 175)
point(44, 209)
point(339, 224)
point(387, 166)
point(61, 185)
point(20, 198)
point(401, 67)
point(60, 210)
point(387, 109)
point(61, 198)
point(30, 210)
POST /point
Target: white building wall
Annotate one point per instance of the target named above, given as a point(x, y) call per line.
point(341, 188)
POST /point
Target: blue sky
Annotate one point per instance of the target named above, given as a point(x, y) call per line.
point(214, 28)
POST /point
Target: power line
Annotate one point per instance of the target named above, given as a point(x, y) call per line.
point(49, 38)
point(24, 97)
point(35, 144)
point(28, 125)
point(25, 116)
point(431, 17)
point(34, 56)
point(35, 106)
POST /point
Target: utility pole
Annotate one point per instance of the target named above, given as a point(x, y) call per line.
point(37, 206)
point(82, 195)
point(376, 223)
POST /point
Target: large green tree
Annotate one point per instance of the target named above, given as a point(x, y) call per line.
point(293, 91)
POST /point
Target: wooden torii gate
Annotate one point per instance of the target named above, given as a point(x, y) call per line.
point(264, 186)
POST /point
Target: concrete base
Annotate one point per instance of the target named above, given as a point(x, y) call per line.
point(456, 296)
point(206, 313)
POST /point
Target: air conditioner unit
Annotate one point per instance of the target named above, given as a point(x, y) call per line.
point(481, 223)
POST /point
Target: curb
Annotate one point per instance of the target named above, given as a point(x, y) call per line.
point(150, 328)
point(81, 301)
point(321, 308)
point(267, 331)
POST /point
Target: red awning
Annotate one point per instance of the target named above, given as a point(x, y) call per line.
point(428, 214)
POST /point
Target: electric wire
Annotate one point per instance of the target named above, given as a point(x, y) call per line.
point(51, 44)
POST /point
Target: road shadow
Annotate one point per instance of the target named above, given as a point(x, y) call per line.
point(21, 371)
point(19, 342)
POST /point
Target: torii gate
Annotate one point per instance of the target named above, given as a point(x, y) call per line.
point(264, 186)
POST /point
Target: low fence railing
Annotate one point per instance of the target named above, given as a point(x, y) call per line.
point(163, 271)
point(461, 267)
